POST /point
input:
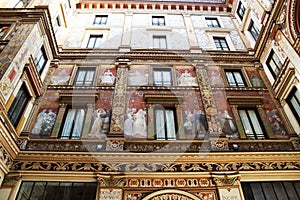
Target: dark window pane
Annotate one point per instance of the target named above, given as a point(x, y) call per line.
point(38, 190)
point(290, 190)
point(279, 190)
point(25, 190)
point(257, 191)
point(51, 190)
point(268, 190)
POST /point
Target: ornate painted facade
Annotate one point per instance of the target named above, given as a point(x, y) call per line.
point(149, 100)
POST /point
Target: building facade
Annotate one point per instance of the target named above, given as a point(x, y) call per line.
point(149, 100)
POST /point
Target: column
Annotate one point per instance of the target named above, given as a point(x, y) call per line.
point(190, 31)
point(212, 116)
point(119, 100)
point(238, 122)
point(126, 37)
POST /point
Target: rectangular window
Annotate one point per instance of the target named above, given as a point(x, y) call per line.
point(56, 24)
point(221, 43)
point(212, 22)
point(235, 78)
point(41, 60)
point(165, 123)
point(158, 21)
point(253, 30)
point(57, 190)
point(94, 41)
point(274, 64)
point(162, 77)
point(85, 76)
point(251, 124)
point(159, 42)
point(73, 124)
point(18, 106)
point(3, 29)
point(271, 190)
point(100, 19)
point(293, 101)
point(241, 10)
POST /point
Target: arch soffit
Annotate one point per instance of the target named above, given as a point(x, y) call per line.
point(171, 192)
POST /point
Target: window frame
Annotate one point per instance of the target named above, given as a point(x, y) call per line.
point(158, 23)
point(253, 29)
point(211, 24)
point(167, 134)
point(237, 83)
point(162, 39)
point(84, 81)
point(161, 70)
point(292, 95)
point(40, 57)
point(18, 106)
point(272, 57)
point(102, 20)
point(241, 10)
point(254, 135)
point(220, 41)
point(70, 135)
point(97, 37)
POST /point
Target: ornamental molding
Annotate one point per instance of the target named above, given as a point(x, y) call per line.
point(154, 167)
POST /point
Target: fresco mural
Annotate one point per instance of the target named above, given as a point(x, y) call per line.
point(216, 79)
point(255, 79)
point(273, 117)
point(62, 75)
point(228, 124)
point(135, 124)
point(101, 116)
point(107, 75)
point(46, 116)
point(194, 118)
point(186, 76)
point(44, 123)
point(138, 75)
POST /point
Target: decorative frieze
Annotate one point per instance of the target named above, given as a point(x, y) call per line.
point(154, 167)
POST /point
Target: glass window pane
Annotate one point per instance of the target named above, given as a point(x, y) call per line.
point(166, 78)
point(170, 125)
point(38, 191)
point(91, 42)
point(98, 42)
point(160, 124)
point(230, 79)
point(68, 124)
point(90, 191)
point(246, 124)
point(279, 190)
point(257, 191)
point(51, 190)
point(256, 125)
point(78, 124)
point(64, 191)
point(25, 191)
point(291, 192)
point(268, 190)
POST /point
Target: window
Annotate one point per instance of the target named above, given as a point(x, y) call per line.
point(56, 24)
point(235, 78)
point(40, 60)
point(212, 22)
point(293, 101)
point(3, 29)
point(159, 42)
point(251, 124)
point(158, 21)
point(253, 30)
point(94, 41)
point(162, 77)
point(73, 123)
point(221, 43)
point(164, 123)
point(271, 190)
point(100, 19)
point(85, 76)
point(57, 190)
point(18, 106)
point(241, 10)
point(274, 64)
